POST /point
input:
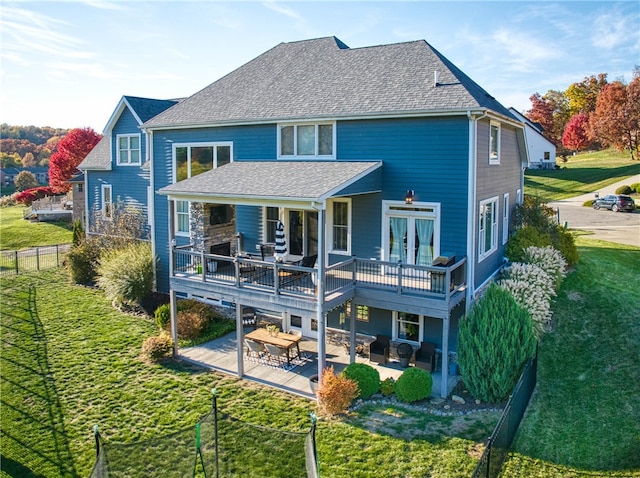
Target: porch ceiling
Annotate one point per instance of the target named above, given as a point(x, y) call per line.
point(253, 182)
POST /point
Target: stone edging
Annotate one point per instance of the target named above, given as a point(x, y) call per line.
point(423, 408)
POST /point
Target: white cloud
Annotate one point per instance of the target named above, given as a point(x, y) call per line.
point(29, 31)
point(610, 30)
point(279, 8)
point(523, 53)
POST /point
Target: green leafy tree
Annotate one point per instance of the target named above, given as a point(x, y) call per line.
point(494, 342)
point(25, 180)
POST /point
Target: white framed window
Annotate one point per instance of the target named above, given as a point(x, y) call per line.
point(307, 140)
point(191, 159)
point(271, 216)
point(106, 205)
point(182, 218)
point(487, 227)
point(411, 233)
point(407, 327)
point(339, 220)
point(505, 218)
point(494, 143)
point(128, 153)
point(362, 312)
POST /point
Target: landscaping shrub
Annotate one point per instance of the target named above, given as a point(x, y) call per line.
point(157, 347)
point(532, 288)
point(30, 195)
point(549, 260)
point(7, 201)
point(193, 305)
point(414, 384)
point(367, 378)
point(78, 232)
point(495, 340)
point(636, 187)
point(336, 392)
point(162, 315)
point(626, 189)
point(191, 324)
point(387, 386)
point(564, 242)
point(535, 213)
point(126, 275)
point(81, 262)
point(523, 238)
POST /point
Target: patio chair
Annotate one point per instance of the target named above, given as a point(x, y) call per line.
point(275, 353)
point(288, 277)
point(426, 356)
point(379, 349)
point(254, 349)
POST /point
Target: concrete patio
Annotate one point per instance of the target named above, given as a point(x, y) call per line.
point(220, 355)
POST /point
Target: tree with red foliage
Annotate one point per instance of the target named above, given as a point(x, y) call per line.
point(576, 133)
point(30, 195)
point(616, 120)
point(551, 111)
point(71, 150)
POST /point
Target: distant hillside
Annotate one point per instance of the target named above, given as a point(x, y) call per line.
point(28, 146)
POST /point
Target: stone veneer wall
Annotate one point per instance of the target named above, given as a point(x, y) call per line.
point(204, 235)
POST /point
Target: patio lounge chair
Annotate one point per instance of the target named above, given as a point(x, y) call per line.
point(379, 349)
point(426, 356)
point(288, 277)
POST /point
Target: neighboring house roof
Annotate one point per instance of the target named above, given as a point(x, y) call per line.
point(276, 180)
point(34, 170)
point(76, 178)
point(99, 158)
point(323, 78)
point(535, 125)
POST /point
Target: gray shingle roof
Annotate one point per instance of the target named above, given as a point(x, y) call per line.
point(282, 180)
point(99, 158)
point(324, 78)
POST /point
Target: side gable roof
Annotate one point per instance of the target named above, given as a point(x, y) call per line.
point(324, 78)
point(99, 158)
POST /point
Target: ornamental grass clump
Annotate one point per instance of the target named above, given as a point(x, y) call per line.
point(126, 275)
point(414, 384)
point(549, 260)
point(157, 347)
point(367, 378)
point(495, 340)
point(336, 392)
point(532, 289)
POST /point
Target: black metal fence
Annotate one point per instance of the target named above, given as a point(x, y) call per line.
point(500, 440)
point(33, 259)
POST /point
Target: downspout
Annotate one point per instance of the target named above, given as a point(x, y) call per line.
point(151, 207)
point(320, 316)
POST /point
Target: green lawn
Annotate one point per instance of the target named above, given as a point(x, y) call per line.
point(16, 233)
point(584, 419)
point(584, 174)
point(75, 363)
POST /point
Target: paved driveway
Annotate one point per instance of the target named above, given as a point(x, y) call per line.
point(620, 227)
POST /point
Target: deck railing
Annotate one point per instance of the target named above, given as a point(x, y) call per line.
point(438, 282)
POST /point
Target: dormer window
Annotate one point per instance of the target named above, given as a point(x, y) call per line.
point(306, 141)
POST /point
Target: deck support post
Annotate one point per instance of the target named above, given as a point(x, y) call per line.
point(174, 321)
point(240, 338)
point(444, 384)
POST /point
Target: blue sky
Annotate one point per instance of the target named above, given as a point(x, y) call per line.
point(67, 63)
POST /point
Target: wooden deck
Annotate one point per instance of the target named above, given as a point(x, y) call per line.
point(221, 355)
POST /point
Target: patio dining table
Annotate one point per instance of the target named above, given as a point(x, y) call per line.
point(281, 339)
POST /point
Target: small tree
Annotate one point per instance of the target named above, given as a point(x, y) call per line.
point(25, 180)
point(28, 160)
point(576, 134)
point(71, 150)
point(336, 392)
point(78, 232)
point(494, 342)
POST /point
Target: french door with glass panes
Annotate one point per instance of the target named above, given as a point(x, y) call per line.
point(412, 234)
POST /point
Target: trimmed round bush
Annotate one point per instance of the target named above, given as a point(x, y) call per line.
point(387, 386)
point(636, 187)
point(162, 315)
point(157, 347)
point(414, 384)
point(367, 378)
point(626, 189)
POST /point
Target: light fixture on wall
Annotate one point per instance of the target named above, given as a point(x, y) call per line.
point(408, 199)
